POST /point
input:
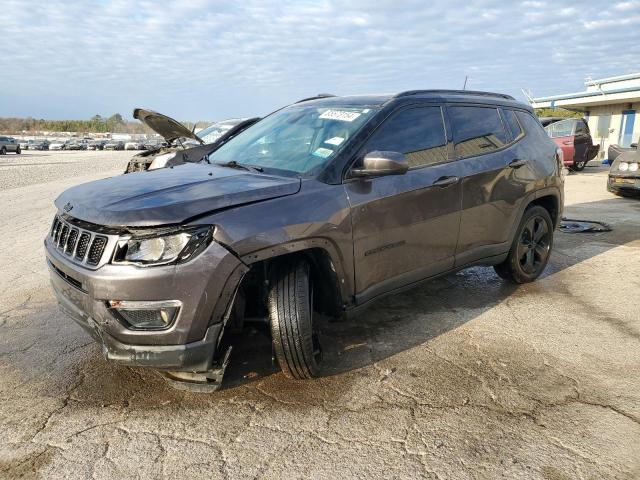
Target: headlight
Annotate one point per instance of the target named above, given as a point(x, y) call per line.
point(162, 249)
point(623, 167)
point(633, 167)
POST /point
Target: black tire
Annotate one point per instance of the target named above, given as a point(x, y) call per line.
point(18, 150)
point(578, 166)
point(294, 335)
point(3, 151)
point(530, 249)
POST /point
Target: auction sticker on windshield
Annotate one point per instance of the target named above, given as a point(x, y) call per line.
point(342, 115)
point(334, 141)
point(323, 152)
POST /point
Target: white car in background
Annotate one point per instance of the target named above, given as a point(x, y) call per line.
point(214, 131)
point(58, 145)
point(132, 146)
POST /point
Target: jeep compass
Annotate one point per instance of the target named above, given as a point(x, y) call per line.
point(320, 207)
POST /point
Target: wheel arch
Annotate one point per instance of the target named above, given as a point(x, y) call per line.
point(327, 272)
point(550, 203)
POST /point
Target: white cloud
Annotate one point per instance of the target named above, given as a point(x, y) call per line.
point(625, 6)
point(209, 59)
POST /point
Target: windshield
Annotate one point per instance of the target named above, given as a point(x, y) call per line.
point(560, 129)
point(297, 139)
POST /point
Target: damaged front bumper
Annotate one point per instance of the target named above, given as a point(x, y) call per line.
point(205, 286)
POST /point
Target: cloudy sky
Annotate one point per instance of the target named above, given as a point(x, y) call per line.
point(206, 59)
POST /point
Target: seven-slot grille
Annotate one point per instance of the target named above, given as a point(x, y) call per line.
point(80, 244)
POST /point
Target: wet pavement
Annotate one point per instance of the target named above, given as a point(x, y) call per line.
point(463, 377)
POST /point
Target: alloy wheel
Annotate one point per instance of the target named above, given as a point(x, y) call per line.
point(534, 245)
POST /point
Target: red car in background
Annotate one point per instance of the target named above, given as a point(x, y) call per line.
point(572, 135)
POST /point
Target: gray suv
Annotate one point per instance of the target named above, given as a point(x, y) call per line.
point(9, 144)
point(323, 206)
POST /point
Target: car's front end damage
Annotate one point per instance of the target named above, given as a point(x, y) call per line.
point(165, 317)
point(624, 175)
point(150, 284)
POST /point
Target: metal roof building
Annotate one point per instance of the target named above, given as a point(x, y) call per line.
point(609, 105)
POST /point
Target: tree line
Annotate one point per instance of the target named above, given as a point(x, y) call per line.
point(96, 124)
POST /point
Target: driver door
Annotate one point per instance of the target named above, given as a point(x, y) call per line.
point(405, 227)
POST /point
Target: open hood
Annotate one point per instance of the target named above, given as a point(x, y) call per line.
point(165, 126)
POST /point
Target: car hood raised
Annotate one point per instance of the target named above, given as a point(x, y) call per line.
point(169, 195)
point(167, 127)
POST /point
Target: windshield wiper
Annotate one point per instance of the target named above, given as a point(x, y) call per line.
point(234, 164)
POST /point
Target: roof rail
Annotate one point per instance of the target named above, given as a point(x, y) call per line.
point(455, 92)
point(320, 95)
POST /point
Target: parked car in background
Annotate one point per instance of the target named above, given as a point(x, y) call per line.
point(615, 150)
point(42, 144)
point(134, 145)
point(9, 144)
point(181, 145)
point(572, 135)
point(321, 207)
point(24, 144)
point(58, 145)
point(76, 145)
point(624, 174)
point(549, 120)
point(114, 145)
point(155, 144)
point(96, 144)
point(214, 131)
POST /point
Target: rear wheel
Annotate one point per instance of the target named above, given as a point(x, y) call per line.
point(293, 331)
point(579, 166)
point(530, 249)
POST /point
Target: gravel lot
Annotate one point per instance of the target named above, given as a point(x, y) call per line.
point(33, 167)
point(465, 377)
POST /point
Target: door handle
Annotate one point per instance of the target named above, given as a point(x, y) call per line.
point(444, 182)
point(517, 163)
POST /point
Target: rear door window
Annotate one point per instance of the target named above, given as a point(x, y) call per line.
point(476, 130)
point(512, 123)
point(417, 132)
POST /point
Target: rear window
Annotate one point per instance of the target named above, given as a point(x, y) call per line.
point(512, 123)
point(477, 130)
point(563, 128)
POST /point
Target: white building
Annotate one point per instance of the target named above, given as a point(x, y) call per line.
point(610, 106)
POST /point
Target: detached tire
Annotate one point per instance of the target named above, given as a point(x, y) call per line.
point(294, 336)
point(530, 249)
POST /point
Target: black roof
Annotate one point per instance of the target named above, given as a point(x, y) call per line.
point(410, 95)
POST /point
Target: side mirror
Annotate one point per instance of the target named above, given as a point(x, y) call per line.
point(376, 164)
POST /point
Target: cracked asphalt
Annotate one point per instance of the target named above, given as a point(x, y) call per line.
point(463, 377)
